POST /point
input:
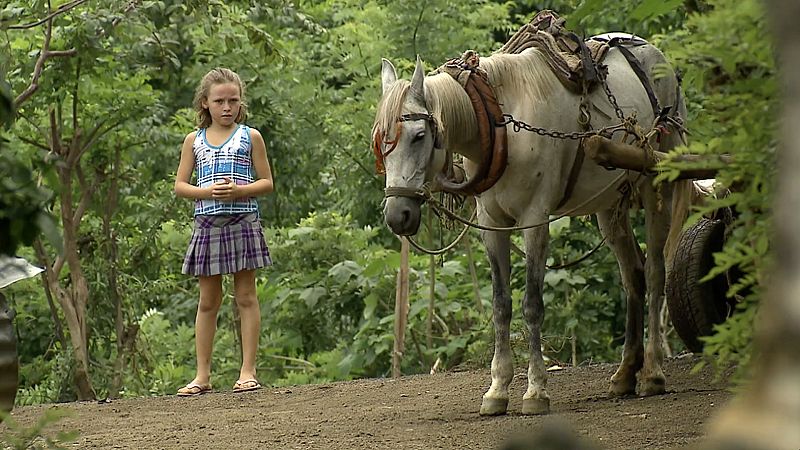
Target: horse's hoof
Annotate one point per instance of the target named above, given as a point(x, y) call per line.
point(534, 406)
point(622, 389)
point(653, 386)
point(494, 406)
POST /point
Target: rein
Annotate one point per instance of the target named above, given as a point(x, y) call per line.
point(425, 194)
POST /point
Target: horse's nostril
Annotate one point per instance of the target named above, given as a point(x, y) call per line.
point(406, 216)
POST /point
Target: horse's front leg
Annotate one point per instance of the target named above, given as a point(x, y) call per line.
point(535, 400)
point(495, 400)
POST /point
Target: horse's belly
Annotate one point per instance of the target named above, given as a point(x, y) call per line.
point(596, 193)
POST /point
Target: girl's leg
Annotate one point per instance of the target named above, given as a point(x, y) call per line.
point(205, 324)
point(244, 285)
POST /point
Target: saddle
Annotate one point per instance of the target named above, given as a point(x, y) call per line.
point(575, 61)
point(571, 58)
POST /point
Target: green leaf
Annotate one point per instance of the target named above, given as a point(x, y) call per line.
point(301, 231)
point(342, 271)
point(312, 295)
point(650, 9)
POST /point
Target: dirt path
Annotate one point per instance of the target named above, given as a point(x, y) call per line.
point(416, 412)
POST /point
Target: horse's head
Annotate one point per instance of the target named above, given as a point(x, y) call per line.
point(405, 139)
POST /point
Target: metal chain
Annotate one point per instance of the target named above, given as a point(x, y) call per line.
point(627, 124)
point(577, 135)
point(611, 98)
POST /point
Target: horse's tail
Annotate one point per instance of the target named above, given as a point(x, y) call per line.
point(684, 195)
point(684, 192)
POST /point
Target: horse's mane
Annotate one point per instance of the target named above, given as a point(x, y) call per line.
point(525, 77)
point(389, 109)
point(440, 90)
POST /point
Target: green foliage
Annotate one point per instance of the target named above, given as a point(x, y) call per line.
point(163, 355)
point(641, 17)
point(729, 77)
point(584, 303)
point(17, 437)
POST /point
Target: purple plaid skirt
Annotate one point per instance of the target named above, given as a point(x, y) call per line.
point(226, 244)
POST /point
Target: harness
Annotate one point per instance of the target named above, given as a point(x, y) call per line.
point(577, 64)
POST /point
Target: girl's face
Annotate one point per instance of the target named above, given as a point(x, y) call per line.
point(223, 103)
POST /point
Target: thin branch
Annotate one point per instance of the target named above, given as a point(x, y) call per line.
point(61, 53)
point(55, 137)
point(37, 69)
point(38, 72)
point(416, 29)
point(61, 10)
point(58, 264)
point(34, 125)
point(95, 135)
point(34, 143)
point(86, 195)
point(48, 275)
point(75, 98)
point(128, 8)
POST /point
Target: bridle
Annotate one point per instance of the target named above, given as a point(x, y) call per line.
point(380, 156)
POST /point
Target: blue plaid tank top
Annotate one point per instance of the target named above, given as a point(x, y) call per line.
point(232, 159)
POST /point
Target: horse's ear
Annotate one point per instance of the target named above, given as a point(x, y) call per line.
point(388, 74)
point(417, 82)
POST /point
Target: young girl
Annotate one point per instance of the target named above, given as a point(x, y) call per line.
point(232, 169)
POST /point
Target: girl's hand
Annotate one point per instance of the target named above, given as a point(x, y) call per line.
point(224, 190)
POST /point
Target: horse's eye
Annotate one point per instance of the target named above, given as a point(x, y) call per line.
point(419, 136)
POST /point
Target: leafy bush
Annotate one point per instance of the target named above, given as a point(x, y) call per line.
point(728, 62)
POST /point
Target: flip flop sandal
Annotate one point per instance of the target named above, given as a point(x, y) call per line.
point(193, 389)
point(246, 385)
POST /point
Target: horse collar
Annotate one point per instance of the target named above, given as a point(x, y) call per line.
point(493, 140)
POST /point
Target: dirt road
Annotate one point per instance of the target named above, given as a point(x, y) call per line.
point(417, 412)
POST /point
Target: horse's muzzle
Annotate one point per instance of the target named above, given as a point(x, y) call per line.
point(402, 215)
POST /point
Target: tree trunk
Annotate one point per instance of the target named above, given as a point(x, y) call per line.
point(126, 335)
point(473, 274)
point(75, 300)
point(432, 286)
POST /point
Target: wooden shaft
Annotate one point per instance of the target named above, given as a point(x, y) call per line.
point(617, 155)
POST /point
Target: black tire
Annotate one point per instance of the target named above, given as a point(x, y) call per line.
point(694, 306)
point(9, 364)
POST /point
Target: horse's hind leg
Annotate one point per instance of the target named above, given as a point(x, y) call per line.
point(657, 220)
point(535, 400)
point(616, 229)
point(495, 400)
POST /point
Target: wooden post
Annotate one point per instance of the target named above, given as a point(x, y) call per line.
point(400, 309)
point(476, 290)
point(432, 286)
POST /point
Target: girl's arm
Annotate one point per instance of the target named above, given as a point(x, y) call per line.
point(263, 185)
point(183, 187)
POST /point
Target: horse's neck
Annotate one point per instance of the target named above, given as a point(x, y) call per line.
point(521, 81)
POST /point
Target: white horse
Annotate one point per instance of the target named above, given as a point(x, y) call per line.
point(417, 120)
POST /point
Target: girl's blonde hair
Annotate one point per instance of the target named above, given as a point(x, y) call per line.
point(220, 75)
